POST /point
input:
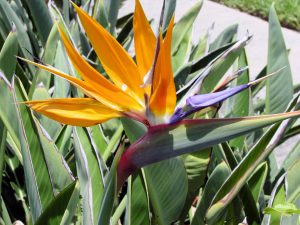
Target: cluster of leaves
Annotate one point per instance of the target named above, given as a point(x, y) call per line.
point(58, 174)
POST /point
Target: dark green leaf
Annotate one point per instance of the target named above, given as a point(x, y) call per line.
point(41, 18)
point(54, 212)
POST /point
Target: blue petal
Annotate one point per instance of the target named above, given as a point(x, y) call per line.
point(205, 100)
point(198, 102)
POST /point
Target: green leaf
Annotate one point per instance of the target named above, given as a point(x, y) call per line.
point(53, 127)
point(3, 134)
point(100, 13)
point(54, 212)
point(257, 180)
point(224, 38)
point(181, 56)
point(277, 197)
point(214, 182)
point(113, 144)
point(112, 10)
point(125, 35)
point(37, 10)
point(200, 48)
point(243, 171)
point(168, 13)
point(184, 25)
point(207, 80)
point(38, 181)
point(196, 165)
point(293, 187)
point(245, 194)
point(23, 39)
point(292, 191)
point(58, 168)
point(133, 129)
point(8, 114)
point(71, 208)
point(110, 191)
point(8, 55)
point(90, 175)
point(164, 181)
point(241, 102)
point(221, 66)
point(4, 219)
point(42, 76)
point(99, 138)
point(63, 140)
point(279, 89)
point(209, 57)
point(187, 75)
point(286, 209)
point(138, 210)
point(291, 158)
point(119, 211)
point(62, 87)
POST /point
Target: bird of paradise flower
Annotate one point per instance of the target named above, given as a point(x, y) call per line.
point(144, 91)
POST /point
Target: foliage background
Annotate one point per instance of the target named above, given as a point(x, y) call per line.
point(57, 174)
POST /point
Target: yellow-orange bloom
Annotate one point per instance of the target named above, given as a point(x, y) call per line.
point(124, 94)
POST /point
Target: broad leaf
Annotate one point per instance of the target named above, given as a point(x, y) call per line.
point(279, 89)
point(8, 55)
point(53, 214)
point(164, 181)
point(216, 179)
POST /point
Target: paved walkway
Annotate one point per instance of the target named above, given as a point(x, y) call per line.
point(222, 17)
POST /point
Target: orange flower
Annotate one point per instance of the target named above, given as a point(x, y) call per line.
point(125, 94)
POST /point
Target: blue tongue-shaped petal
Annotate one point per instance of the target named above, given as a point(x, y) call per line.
point(201, 101)
point(198, 102)
point(205, 100)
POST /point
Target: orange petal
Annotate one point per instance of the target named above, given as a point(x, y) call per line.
point(144, 40)
point(84, 86)
point(112, 95)
point(83, 112)
point(163, 98)
point(116, 61)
